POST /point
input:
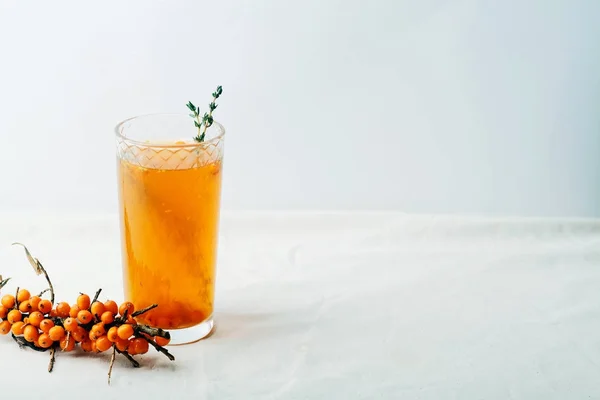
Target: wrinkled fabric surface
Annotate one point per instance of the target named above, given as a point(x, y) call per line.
point(344, 306)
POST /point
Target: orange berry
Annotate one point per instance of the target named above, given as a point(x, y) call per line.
point(103, 344)
point(35, 302)
point(97, 309)
point(36, 318)
point(25, 307)
point(131, 320)
point(83, 302)
point(63, 309)
point(46, 325)
point(84, 317)
point(161, 341)
point(45, 306)
point(70, 324)
point(4, 327)
point(125, 331)
point(67, 344)
point(97, 331)
point(14, 316)
point(122, 344)
point(17, 328)
point(140, 346)
point(126, 306)
point(112, 334)
point(111, 306)
point(44, 341)
point(107, 317)
point(31, 333)
point(3, 312)
point(23, 295)
point(56, 333)
point(79, 334)
point(74, 311)
point(8, 301)
point(53, 313)
point(86, 345)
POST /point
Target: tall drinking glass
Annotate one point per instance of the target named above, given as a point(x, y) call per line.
point(169, 200)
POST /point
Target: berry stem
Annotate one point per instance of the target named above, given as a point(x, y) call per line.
point(112, 362)
point(131, 359)
point(144, 310)
point(158, 347)
point(52, 358)
point(96, 297)
point(152, 331)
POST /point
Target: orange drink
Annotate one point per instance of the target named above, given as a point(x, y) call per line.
point(169, 200)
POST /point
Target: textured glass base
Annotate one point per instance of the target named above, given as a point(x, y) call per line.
point(192, 335)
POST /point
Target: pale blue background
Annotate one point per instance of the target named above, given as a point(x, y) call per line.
point(472, 106)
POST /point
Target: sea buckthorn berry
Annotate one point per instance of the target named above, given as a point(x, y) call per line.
point(97, 331)
point(56, 333)
point(86, 345)
point(46, 325)
point(107, 317)
point(35, 302)
point(63, 309)
point(4, 327)
point(8, 301)
point(31, 333)
point(112, 334)
point(17, 328)
point(97, 309)
point(161, 341)
point(140, 346)
point(25, 307)
point(14, 316)
point(44, 341)
point(45, 306)
point(3, 312)
point(111, 306)
point(53, 313)
point(83, 302)
point(67, 344)
point(84, 317)
point(122, 345)
point(74, 311)
point(125, 331)
point(23, 295)
point(131, 320)
point(35, 318)
point(79, 334)
point(70, 324)
point(103, 344)
point(126, 306)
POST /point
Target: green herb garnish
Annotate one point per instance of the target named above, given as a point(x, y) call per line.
point(207, 119)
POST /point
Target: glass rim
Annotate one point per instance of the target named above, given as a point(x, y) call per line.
point(140, 143)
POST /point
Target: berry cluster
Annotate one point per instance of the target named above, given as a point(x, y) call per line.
point(92, 325)
point(95, 326)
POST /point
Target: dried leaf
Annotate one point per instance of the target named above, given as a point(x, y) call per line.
point(32, 260)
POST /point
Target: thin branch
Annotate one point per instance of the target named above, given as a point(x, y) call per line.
point(131, 359)
point(96, 296)
point(112, 362)
point(52, 359)
point(144, 310)
point(43, 291)
point(158, 347)
point(152, 331)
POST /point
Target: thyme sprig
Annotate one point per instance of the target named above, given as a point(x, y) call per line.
point(206, 121)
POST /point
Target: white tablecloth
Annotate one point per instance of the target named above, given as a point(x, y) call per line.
point(344, 306)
